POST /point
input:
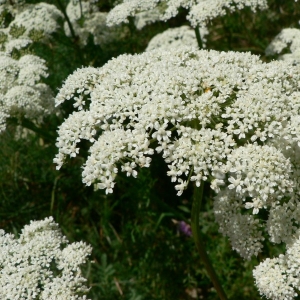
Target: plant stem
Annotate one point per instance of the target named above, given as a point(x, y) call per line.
point(63, 10)
point(198, 195)
point(26, 123)
point(53, 194)
point(73, 34)
point(198, 37)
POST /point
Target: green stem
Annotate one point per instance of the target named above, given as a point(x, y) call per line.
point(73, 34)
point(81, 14)
point(63, 10)
point(198, 195)
point(198, 37)
point(53, 194)
point(30, 125)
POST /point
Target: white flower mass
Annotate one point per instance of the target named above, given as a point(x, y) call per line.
point(278, 278)
point(27, 19)
point(211, 100)
point(11, 7)
point(40, 264)
point(146, 17)
point(226, 118)
point(183, 36)
point(41, 16)
point(200, 11)
point(21, 92)
point(288, 38)
point(86, 19)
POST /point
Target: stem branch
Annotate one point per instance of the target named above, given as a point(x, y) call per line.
point(198, 195)
point(198, 37)
point(26, 123)
point(73, 34)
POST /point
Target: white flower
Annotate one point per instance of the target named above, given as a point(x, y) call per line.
point(262, 173)
point(26, 20)
point(279, 278)
point(41, 16)
point(182, 36)
point(146, 17)
point(227, 118)
point(35, 266)
point(21, 92)
point(135, 100)
point(200, 12)
point(87, 19)
point(272, 280)
point(128, 167)
point(203, 11)
point(235, 183)
point(6, 6)
point(180, 187)
point(243, 230)
point(16, 44)
point(215, 184)
point(31, 70)
point(256, 204)
point(287, 38)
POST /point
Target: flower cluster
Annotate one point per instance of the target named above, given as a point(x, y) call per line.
point(200, 11)
point(243, 230)
point(278, 278)
point(262, 174)
point(21, 92)
point(287, 38)
point(225, 118)
point(41, 16)
point(30, 18)
point(86, 19)
point(144, 18)
point(7, 6)
point(231, 97)
point(35, 266)
point(176, 37)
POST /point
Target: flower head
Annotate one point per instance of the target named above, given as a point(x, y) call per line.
point(182, 36)
point(86, 19)
point(200, 12)
point(227, 118)
point(41, 16)
point(36, 266)
point(287, 38)
point(185, 228)
point(278, 278)
point(22, 93)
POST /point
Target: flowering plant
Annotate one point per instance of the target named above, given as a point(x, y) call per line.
point(225, 121)
point(22, 92)
point(225, 118)
point(287, 38)
point(200, 11)
point(35, 266)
